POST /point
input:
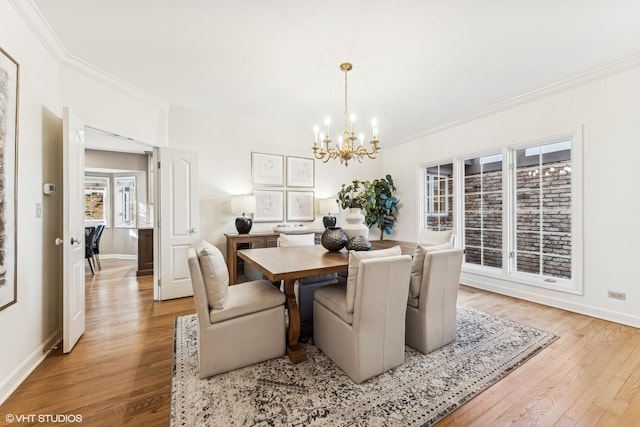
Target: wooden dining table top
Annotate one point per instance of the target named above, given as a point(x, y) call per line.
point(304, 261)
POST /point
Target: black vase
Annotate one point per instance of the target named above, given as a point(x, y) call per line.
point(359, 243)
point(243, 224)
point(329, 221)
point(333, 239)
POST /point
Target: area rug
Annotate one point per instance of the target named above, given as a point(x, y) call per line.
point(317, 393)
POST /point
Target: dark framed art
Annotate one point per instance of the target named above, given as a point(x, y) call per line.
point(9, 93)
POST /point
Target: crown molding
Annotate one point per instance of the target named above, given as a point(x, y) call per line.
point(598, 73)
point(43, 31)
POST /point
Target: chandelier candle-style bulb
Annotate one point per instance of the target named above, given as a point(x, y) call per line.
point(345, 149)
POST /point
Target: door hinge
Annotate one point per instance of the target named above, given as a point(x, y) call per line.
point(158, 165)
point(159, 283)
point(512, 255)
point(511, 166)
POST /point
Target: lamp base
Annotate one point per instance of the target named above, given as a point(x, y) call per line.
point(329, 221)
point(243, 224)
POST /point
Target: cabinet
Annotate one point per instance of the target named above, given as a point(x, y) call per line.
point(145, 251)
point(236, 242)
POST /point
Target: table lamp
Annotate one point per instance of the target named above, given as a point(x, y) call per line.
point(328, 206)
point(246, 205)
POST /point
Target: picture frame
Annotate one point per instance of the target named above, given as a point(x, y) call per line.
point(9, 96)
point(300, 206)
point(267, 169)
point(269, 206)
point(300, 172)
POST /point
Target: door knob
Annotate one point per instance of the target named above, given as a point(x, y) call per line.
point(59, 241)
point(193, 230)
point(74, 241)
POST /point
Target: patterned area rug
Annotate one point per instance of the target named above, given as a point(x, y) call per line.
point(317, 393)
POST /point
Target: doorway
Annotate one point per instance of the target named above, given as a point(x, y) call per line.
point(119, 195)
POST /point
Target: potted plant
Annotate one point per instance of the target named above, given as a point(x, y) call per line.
point(381, 207)
point(353, 197)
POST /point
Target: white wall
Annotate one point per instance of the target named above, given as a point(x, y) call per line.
point(107, 104)
point(607, 107)
point(26, 327)
point(225, 148)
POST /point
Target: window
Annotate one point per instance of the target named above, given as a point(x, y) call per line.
point(96, 199)
point(543, 210)
point(483, 211)
point(125, 202)
point(517, 211)
point(438, 197)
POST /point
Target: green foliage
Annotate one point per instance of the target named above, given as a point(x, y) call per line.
point(381, 208)
point(352, 195)
point(375, 198)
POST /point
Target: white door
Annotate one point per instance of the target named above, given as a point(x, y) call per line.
point(178, 221)
point(73, 230)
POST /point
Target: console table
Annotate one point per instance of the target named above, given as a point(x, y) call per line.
point(254, 241)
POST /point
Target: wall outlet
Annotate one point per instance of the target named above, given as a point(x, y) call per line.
point(617, 295)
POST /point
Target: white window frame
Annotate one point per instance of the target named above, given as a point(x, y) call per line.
point(508, 273)
point(119, 208)
point(106, 199)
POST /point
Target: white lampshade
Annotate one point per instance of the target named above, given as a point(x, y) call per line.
point(243, 204)
point(328, 206)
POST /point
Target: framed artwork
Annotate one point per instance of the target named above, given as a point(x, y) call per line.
point(300, 206)
point(9, 86)
point(300, 172)
point(269, 206)
point(267, 169)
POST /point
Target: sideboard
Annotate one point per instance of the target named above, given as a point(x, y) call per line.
point(253, 241)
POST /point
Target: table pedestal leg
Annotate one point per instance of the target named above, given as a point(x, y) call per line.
point(295, 351)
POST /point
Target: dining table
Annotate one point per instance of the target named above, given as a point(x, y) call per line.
point(289, 264)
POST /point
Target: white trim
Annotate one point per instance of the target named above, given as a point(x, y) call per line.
point(43, 31)
point(485, 283)
point(28, 365)
point(119, 256)
point(598, 73)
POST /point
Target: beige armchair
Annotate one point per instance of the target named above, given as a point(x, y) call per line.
point(431, 307)
point(431, 237)
point(367, 339)
point(238, 325)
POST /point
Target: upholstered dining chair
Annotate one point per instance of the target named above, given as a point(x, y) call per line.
point(433, 292)
point(305, 288)
point(238, 325)
point(95, 245)
point(89, 233)
point(431, 237)
point(360, 326)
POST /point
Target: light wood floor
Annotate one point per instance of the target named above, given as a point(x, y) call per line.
point(120, 371)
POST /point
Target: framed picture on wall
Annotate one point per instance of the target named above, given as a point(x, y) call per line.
point(300, 206)
point(267, 169)
point(300, 172)
point(269, 206)
point(9, 87)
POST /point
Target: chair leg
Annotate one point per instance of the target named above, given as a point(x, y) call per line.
point(96, 259)
point(91, 266)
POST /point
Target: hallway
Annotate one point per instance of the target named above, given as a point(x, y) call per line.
point(120, 370)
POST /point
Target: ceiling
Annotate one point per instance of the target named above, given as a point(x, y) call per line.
point(417, 64)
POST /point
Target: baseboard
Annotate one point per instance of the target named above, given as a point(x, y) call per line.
point(118, 256)
point(23, 370)
point(475, 281)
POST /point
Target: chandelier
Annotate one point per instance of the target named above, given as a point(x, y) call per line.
point(349, 146)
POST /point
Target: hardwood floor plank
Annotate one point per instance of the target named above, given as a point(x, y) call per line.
point(119, 373)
